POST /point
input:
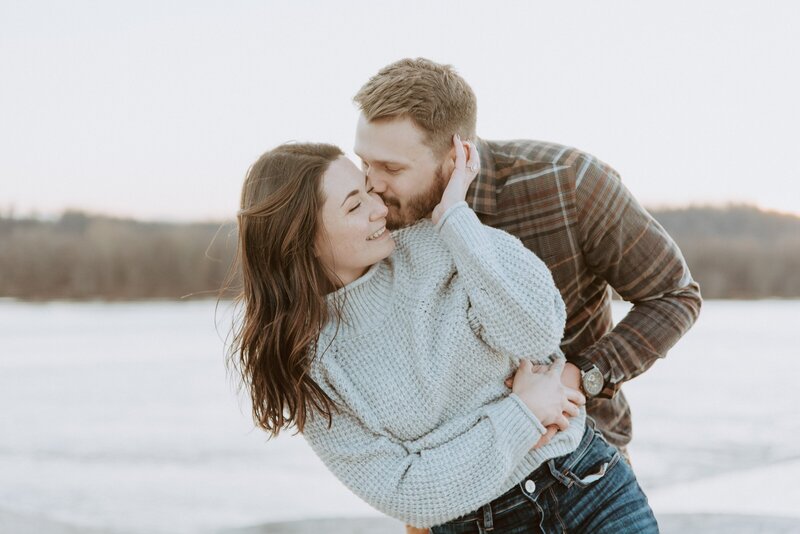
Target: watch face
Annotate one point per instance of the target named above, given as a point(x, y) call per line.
point(593, 382)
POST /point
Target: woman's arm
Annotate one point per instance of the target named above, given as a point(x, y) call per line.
point(515, 306)
point(433, 485)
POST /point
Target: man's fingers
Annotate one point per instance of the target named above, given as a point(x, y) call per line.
point(551, 431)
point(546, 437)
point(562, 422)
point(544, 440)
point(570, 410)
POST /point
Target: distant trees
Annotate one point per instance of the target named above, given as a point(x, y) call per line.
point(738, 252)
point(735, 252)
point(88, 257)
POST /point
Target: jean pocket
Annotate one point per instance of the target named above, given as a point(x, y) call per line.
point(595, 474)
point(595, 465)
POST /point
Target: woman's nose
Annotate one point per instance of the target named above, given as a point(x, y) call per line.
point(379, 209)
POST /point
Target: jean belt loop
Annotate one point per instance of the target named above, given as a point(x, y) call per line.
point(559, 476)
point(488, 523)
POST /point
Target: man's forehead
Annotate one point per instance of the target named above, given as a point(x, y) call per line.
point(389, 140)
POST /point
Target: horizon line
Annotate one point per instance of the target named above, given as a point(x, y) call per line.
point(10, 212)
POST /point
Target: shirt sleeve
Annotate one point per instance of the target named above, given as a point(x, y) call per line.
point(627, 247)
point(434, 485)
point(514, 302)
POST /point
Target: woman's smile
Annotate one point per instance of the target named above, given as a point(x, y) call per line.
point(377, 235)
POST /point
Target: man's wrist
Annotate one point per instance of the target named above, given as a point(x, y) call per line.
point(594, 378)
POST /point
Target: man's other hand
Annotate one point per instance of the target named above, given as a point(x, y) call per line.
point(571, 376)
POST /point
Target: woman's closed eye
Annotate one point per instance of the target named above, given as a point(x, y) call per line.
point(370, 191)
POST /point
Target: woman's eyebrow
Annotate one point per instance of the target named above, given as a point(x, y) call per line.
point(355, 191)
point(350, 194)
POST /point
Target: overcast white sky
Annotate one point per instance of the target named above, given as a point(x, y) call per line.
point(155, 109)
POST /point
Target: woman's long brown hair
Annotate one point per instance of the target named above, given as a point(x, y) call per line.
point(283, 285)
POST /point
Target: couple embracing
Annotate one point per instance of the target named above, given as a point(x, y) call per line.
point(437, 322)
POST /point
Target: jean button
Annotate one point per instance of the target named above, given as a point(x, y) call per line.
point(530, 486)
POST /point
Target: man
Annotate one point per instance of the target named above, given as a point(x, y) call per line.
point(565, 205)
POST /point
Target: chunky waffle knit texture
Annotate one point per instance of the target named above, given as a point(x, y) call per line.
point(426, 429)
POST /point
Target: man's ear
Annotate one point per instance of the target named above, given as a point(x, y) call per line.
point(449, 160)
point(451, 154)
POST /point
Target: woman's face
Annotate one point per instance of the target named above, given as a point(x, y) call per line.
point(353, 235)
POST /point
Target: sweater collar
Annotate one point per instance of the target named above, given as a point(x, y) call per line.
point(363, 301)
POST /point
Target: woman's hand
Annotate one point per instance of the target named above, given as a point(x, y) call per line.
point(569, 382)
point(464, 173)
point(542, 391)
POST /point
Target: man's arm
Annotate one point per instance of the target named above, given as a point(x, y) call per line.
point(625, 246)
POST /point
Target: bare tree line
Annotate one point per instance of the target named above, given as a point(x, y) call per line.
point(735, 252)
point(740, 251)
point(89, 257)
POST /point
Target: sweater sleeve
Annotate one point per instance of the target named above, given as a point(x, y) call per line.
point(515, 306)
point(430, 486)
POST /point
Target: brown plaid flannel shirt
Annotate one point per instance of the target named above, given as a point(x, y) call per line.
point(574, 213)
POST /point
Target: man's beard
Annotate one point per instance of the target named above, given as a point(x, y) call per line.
point(418, 206)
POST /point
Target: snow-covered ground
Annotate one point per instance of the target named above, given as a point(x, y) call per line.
point(121, 416)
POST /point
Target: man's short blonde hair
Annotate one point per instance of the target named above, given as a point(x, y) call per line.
point(434, 96)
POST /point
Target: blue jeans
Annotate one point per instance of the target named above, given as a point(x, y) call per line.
point(590, 490)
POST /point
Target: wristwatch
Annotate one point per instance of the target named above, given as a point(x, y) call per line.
point(592, 380)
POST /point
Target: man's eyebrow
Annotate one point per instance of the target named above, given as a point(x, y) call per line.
point(384, 162)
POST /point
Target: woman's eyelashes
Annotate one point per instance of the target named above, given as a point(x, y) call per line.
point(354, 208)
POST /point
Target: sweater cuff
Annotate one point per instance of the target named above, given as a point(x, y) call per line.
point(462, 230)
point(540, 428)
point(516, 427)
point(449, 211)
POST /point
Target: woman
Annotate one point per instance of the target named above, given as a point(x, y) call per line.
point(389, 353)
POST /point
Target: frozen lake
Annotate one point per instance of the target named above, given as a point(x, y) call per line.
point(121, 416)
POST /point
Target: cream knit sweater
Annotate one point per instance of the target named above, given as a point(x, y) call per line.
point(427, 431)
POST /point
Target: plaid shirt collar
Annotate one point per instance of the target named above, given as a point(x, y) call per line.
point(482, 193)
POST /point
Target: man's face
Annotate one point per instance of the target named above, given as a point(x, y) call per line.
point(402, 168)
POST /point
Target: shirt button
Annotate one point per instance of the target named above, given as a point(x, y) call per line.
point(530, 486)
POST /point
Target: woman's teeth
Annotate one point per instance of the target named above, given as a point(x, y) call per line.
point(377, 234)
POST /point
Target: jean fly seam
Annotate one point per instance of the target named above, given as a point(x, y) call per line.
point(557, 511)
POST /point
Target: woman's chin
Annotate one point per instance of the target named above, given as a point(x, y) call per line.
point(390, 245)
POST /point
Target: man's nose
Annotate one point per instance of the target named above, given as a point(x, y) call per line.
point(377, 184)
